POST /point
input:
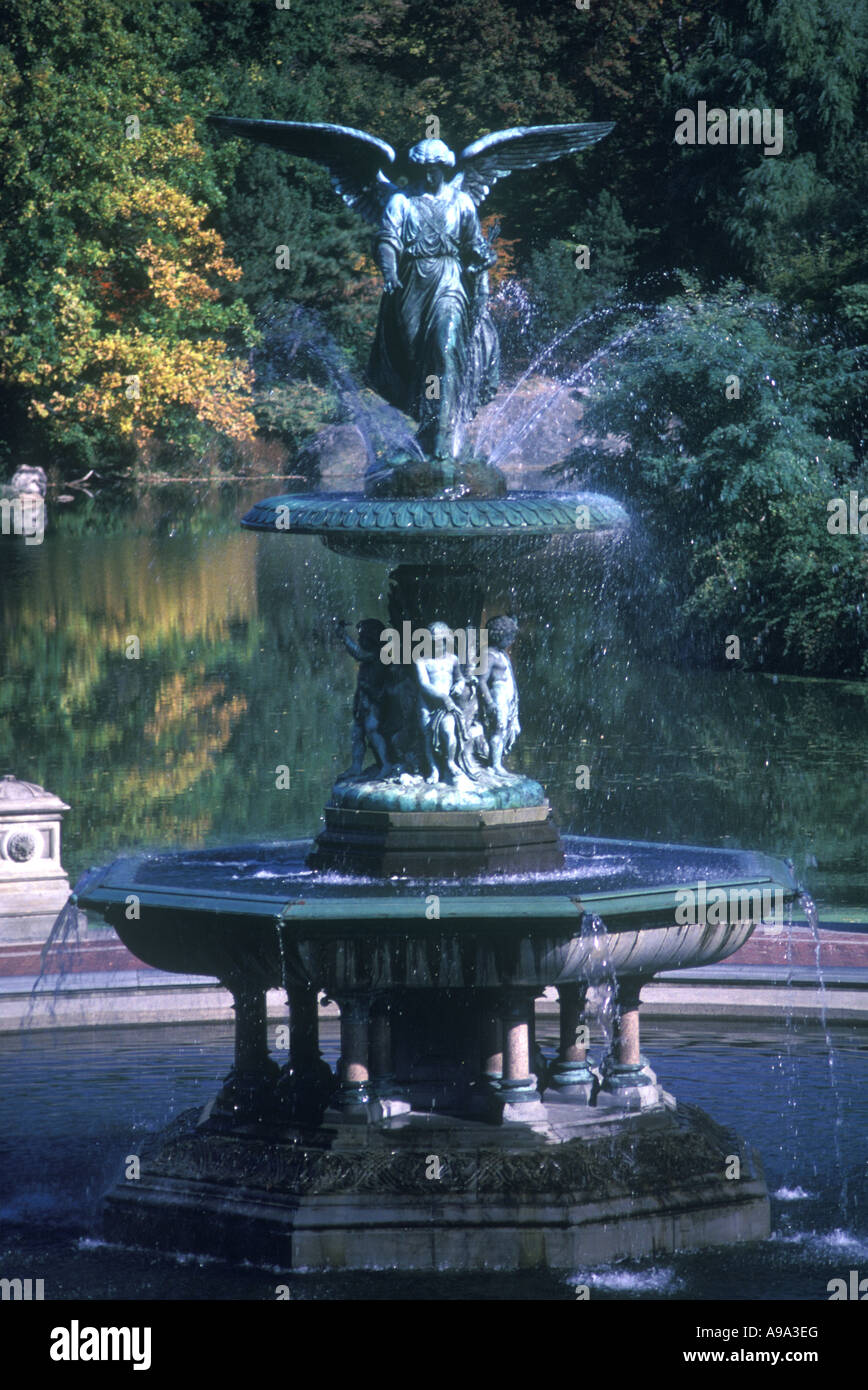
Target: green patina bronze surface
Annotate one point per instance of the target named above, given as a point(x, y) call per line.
point(436, 353)
point(437, 724)
point(517, 516)
point(451, 530)
point(415, 794)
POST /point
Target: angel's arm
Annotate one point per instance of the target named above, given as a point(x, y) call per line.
point(353, 648)
point(389, 241)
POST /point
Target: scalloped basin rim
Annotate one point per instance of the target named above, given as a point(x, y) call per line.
point(522, 514)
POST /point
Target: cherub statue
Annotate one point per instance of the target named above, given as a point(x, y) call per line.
point(369, 699)
point(466, 697)
point(498, 693)
point(441, 683)
point(436, 350)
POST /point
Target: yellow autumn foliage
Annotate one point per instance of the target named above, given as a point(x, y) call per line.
point(185, 713)
point(139, 352)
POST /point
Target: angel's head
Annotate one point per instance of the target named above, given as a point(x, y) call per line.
point(434, 160)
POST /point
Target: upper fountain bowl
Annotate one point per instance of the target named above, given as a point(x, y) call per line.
point(422, 530)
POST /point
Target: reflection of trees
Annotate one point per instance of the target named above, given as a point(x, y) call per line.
point(234, 679)
point(683, 755)
point(133, 743)
point(301, 588)
point(177, 726)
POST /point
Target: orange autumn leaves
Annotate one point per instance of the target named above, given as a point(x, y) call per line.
point(141, 332)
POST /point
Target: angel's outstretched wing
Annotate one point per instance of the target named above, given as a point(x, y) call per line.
point(481, 164)
point(354, 159)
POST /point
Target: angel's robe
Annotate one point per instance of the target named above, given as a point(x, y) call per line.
point(435, 354)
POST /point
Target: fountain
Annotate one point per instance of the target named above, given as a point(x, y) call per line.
point(439, 901)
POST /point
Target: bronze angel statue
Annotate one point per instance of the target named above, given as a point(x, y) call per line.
point(435, 355)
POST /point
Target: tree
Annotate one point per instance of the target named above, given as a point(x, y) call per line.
point(569, 278)
point(112, 329)
point(794, 223)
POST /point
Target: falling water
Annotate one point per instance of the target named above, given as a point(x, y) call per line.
point(56, 958)
point(297, 344)
point(791, 1074)
point(296, 341)
point(510, 439)
point(810, 910)
point(543, 355)
point(600, 974)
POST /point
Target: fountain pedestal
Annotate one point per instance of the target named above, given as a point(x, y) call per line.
point(437, 802)
point(444, 1138)
point(436, 844)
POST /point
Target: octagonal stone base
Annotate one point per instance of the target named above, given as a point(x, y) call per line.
point(424, 1193)
point(438, 843)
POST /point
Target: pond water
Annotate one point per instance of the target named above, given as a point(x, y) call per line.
point(772, 1086)
point(239, 673)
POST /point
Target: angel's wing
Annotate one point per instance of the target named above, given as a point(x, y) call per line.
point(481, 164)
point(354, 159)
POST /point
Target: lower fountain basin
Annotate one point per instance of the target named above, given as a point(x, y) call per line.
point(354, 1198)
point(616, 908)
point(545, 1163)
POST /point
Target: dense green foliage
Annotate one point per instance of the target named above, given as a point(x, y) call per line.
point(113, 333)
point(120, 257)
point(732, 424)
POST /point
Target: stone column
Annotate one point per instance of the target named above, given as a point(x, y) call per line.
point(627, 1078)
point(354, 1091)
point(571, 1076)
point(627, 1028)
point(382, 1075)
point(248, 1093)
point(517, 1094)
point(308, 1081)
point(251, 1033)
point(491, 1047)
point(516, 1044)
point(385, 1094)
